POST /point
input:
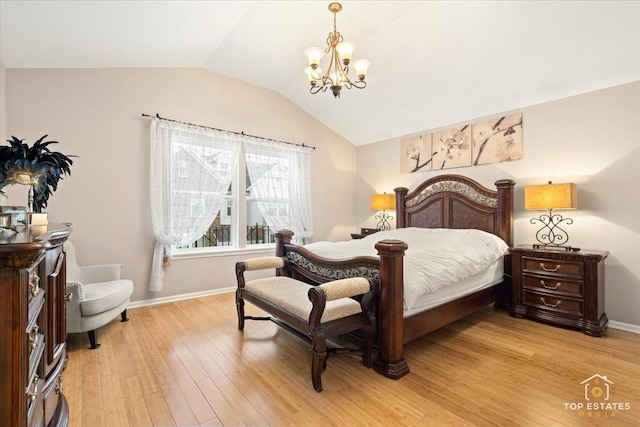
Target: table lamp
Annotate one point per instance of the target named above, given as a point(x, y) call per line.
point(549, 197)
point(382, 203)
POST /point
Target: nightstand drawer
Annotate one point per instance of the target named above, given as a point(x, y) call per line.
point(557, 304)
point(553, 267)
point(553, 285)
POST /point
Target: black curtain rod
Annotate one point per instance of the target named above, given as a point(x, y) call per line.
point(222, 130)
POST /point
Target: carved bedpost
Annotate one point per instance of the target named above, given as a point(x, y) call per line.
point(400, 208)
point(283, 237)
point(391, 362)
point(505, 210)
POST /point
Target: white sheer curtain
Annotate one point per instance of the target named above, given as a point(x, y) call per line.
point(191, 170)
point(280, 177)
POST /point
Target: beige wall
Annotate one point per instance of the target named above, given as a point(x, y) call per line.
point(3, 104)
point(96, 114)
point(592, 140)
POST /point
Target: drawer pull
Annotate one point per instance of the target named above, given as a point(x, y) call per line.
point(34, 285)
point(33, 336)
point(550, 305)
point(68, 297)
point(544, 285)
point(549, 270)
point(33, 395)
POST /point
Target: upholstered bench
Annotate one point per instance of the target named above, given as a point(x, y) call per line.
point(312, 312)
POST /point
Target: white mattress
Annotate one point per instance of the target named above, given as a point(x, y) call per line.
point(490, 276)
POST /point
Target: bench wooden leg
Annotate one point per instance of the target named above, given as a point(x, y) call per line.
point(369, 338)
point(240, 309)
point(319, 360)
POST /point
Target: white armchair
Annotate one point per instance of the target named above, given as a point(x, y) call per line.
point(96, 295)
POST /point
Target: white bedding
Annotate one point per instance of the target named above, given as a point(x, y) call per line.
point(486, 278)
point(436, 257)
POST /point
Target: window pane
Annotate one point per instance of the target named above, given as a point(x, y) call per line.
point(258, 231)
point(267, 196)
point(219, 233)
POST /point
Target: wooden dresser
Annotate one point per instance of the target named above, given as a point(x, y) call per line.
point(562, 287)
point(33, 327)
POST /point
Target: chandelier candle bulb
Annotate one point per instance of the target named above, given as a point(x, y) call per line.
point(345, 50)
point(361, 66)
point(314, 54)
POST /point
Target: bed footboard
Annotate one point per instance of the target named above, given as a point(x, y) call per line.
point(385, 272)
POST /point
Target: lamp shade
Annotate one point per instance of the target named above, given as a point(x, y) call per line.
point(383, 202)
point(314, 54)
point(551, 196)
point(361, 66)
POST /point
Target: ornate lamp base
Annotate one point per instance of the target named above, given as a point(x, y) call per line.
point(551, 234)
point(383, 223)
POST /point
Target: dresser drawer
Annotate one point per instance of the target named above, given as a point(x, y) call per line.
point(554, 303)
point(35, 415)
point(35, 306)
point(33, 282)
point(35, 351)
point(52, 392)
point(553, 267)
point(35, 407)
point(552, 285)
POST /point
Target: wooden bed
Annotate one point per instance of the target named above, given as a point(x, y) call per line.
point(445, 201)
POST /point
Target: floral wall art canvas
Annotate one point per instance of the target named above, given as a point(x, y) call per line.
point(452, 148)
point(497, 140)
point(490, 141)
point(415, 153)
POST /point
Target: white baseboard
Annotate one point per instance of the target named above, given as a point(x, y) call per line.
point(174, 298)
point(164, 300)
point(624, 326)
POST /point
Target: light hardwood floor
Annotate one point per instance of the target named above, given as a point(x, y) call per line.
point(186, 364)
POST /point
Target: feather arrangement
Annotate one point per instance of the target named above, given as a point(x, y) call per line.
point(36, 166)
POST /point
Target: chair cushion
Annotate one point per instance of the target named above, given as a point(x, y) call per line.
point(292, 295)
point(101, 297)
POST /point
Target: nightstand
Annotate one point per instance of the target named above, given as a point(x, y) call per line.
point(364, 232)
point(561, 287)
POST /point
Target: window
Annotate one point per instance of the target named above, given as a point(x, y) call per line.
point(244, 227)
point(213, 190)
point(261, 209)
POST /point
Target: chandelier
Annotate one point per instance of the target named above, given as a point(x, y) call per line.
point(337, 75)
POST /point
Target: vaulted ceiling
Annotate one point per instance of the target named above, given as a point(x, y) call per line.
point(434, 63)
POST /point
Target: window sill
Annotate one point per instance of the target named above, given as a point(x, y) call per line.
point(207, 253)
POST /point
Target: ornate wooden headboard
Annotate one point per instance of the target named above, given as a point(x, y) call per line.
point(455, 201)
